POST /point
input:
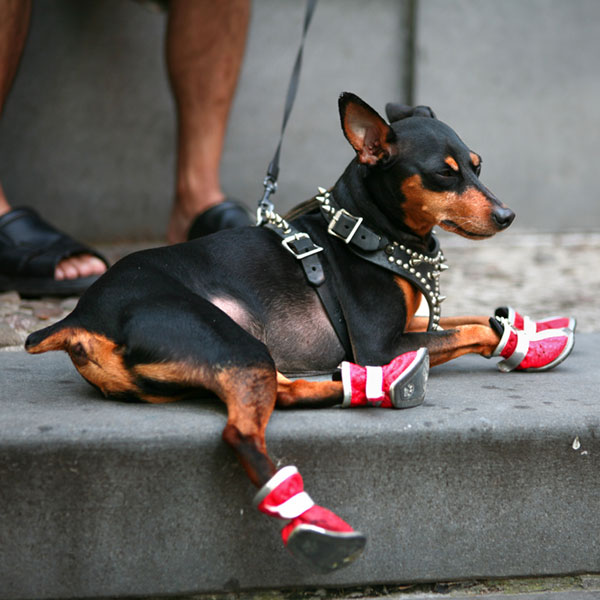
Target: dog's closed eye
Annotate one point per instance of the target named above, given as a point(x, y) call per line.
point(447, 172)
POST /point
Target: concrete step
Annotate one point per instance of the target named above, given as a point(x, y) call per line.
point(496, 475)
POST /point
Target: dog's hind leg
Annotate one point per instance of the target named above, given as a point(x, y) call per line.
point(214, 353)
point(198, 348)
point(313, 534)
point(249, 394)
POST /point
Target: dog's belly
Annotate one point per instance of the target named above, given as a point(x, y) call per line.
point(303, 340)
point(297, 333)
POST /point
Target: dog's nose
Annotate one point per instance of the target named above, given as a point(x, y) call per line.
point(502, 217)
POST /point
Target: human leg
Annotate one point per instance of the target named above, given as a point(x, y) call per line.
point(14, 26)
point(205, 48)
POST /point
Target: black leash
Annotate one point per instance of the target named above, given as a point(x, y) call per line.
point(299, 243)
point(265, 205)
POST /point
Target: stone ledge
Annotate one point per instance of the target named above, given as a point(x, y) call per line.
point(495, 475)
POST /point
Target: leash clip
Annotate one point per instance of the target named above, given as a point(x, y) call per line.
point(346, 221)
point(299, 251)
point(265, 206)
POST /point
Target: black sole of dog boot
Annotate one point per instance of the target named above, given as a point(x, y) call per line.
point(325, 550)
point(409, 390)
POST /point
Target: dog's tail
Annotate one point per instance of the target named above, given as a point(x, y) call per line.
point(54, 337)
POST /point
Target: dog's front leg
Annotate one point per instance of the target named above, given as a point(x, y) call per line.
point(309, 394)
point(399, 384)
point(419, 324)
point(446, 345)
point(527, 345)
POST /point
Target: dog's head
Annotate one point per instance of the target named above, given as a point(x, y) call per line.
point(429, 174)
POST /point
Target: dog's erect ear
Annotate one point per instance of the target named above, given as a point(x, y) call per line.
point(368, 133)
point(396, 112)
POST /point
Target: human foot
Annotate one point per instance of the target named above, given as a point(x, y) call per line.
point(185, 209)
point(203, 219)
point(82, 265)
point(37, 259)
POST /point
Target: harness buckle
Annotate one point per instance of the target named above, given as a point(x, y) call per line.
point(265, 206)
point(300, 251)
point(343, 221)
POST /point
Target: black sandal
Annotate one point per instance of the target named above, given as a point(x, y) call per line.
point(225, 215)
point(30, 249)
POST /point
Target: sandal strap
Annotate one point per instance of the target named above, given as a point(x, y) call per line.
point(31, 247)
point(225, 215)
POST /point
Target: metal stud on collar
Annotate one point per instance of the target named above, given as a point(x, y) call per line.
point(323, 197)
point(270, 217)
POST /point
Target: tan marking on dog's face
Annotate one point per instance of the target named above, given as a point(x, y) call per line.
point(451, 163)
point(475, 159)
point(468, 214)
point(412, 297)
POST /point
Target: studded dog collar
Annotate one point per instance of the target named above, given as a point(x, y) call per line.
point(423, 269)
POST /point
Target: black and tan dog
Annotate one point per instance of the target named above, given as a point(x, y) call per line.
point(231, 312)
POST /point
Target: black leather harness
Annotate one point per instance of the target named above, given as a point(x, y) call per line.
point(302, 248)
point(421, 268)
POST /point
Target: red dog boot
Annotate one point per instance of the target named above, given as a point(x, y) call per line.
point(537, 351)
point(399, 384)
point(314, 535)
point(529, 325)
